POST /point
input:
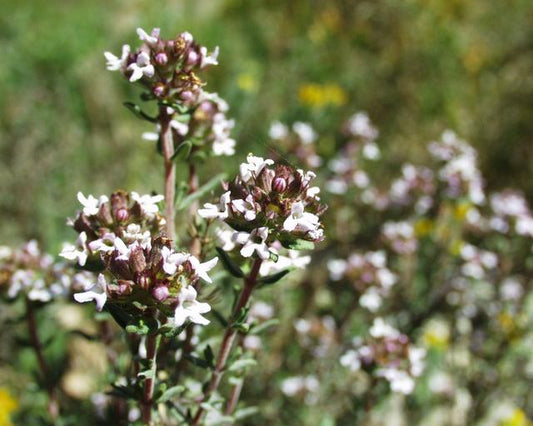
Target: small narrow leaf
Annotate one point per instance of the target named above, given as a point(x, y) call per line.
point(183, 151)
point(241, 364)
point(298, 244)
point(259, 328)
point(272, 279)
point(204, 189)
point(199, 362)
point(171, 392)
point(136, 109)
point(229, 263)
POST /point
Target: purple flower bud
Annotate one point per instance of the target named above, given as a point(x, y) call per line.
point(279, 184)
point(160, 293)
point(186, 96)
point(207, 108)
point(159, 90)
point(122, 215)
point(124, 287)
point(161, 58)
point(192, 58)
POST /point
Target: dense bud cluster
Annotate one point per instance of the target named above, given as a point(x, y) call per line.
point(168, 70)
point(269, 202)
point(154, 276)
point(128, 216)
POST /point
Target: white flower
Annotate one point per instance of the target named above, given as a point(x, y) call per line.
point(91, 205)
point(201, 269)
point(148, 203)
point(98, 293)
point(351, 360)
point(300, 220)
point(245, 207)
point(305, 132)
point(360, 125)
point(149, 39)
point(189, 308)
point(220, 211)
point(371, 151)
point(253, 242)
point(78, 251)
point(105, 244)
point(371, 299)
point(208, 59)
point(172, 259)
point(253, 167)
point(181, 128)
point(293, 260)
point(400, 381)
point(277, 131)
point(141, 67)
point(133, 233)
point(337, 268)
point(224, 147)
point(114, 63)
point(224, 236)
point(381, 329)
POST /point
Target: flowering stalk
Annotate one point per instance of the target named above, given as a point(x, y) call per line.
point(53, 408)
point(170, 170)
point(236, 389)
point(152, 344)
point(229, 337)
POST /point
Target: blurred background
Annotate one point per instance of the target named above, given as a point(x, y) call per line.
point(416, 66)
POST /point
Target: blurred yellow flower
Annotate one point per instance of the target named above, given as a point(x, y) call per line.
point(8, 405)
point(423, 227)
point(247, 82)
point(461, 210)
point(436, 335)
point(517, 418)
point(320, 95)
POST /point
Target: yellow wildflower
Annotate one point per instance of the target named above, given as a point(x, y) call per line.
point(8, 405)
point(320, 95)
point(517, 418)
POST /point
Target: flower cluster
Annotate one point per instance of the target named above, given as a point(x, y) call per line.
point(152, 275)
point(511, 212)
point(126, 216)
point(390, 353)
point(29, 271)
point(400, 236)
point(317, 334)
point(368, 273)
point(168, 70)
point(459, 171)
point(268, 203)
point(298, 141)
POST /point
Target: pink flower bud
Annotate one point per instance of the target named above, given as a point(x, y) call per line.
point(160, 293)
point(161, 58)
point(192, 58)
point(122, 215)
point(279, 184)
point(186, 96)
point(159, 90)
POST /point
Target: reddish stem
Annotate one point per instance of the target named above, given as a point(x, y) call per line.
point(229, 338)
point(167, 144)
point(149, 383)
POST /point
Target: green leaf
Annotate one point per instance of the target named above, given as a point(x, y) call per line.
point(183, 151)
point(298, 244)
point(136, 109)
point(171, 392)
point(121, 317)
point(245, 412)
point(209, 356)
point(143, 326)
point(241, 364)
point(259, 328)
point(229, 263)
point(170, 332)
point(199, 362)
point(204, 189)
point(272, 279)
point(182, 109)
